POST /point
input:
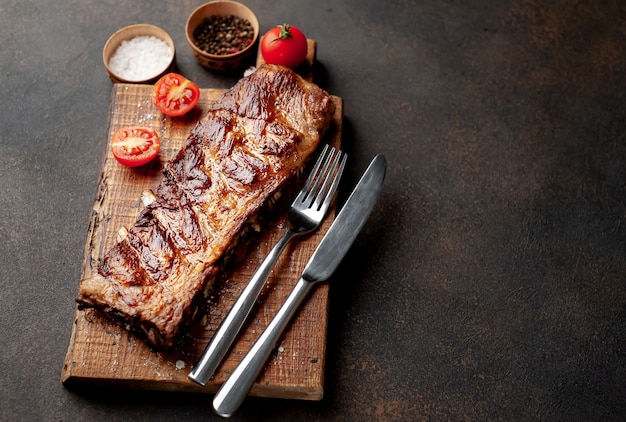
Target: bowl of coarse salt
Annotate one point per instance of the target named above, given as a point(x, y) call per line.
point(139, 53)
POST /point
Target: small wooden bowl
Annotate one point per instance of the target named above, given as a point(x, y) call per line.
point(223, 62)
point(128, 33)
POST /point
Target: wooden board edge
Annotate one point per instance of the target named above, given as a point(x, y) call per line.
point(66, 370)
point(276, 392)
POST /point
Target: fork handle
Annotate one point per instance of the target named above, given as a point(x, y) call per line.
point(236, 388)
point(227, 332)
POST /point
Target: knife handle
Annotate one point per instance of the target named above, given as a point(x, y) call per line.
point(238, 385)
point(230, 327)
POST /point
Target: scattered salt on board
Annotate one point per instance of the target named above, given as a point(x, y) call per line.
point(140, 58)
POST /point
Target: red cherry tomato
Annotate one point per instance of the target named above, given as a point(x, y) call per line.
point(284, 45)
point(175, 95)
point(135, 145)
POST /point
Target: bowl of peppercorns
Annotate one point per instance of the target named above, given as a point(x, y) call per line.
point(222, 34)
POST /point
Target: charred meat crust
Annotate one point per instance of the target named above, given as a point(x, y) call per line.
point(252, 140)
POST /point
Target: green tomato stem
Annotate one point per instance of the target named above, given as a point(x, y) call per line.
point(285, 32)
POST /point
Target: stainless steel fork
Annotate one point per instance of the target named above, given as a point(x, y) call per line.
point(304, 215)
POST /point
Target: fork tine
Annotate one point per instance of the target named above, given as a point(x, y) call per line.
point(317, 189)
point(326, 178)
point(331, 183)
point(313, 176)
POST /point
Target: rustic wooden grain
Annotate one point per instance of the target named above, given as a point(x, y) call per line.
point(102, 353)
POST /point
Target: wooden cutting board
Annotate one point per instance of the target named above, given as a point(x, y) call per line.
point(102, 353)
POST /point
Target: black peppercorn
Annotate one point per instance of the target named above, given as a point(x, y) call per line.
point(223, 35)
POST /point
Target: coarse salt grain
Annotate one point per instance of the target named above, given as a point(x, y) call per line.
point(140, 58)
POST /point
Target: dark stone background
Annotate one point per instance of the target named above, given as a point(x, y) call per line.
point(489, 282)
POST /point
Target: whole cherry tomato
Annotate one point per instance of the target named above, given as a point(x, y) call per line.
point(284, 45)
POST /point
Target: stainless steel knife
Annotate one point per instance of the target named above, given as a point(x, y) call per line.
point(320, 267)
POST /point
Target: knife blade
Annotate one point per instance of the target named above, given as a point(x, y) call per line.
point(320, 267)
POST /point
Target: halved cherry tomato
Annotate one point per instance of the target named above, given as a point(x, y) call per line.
point(135, 145)
point(284, 45)
point(175, 95)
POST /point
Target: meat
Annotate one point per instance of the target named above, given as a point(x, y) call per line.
point(252, 140)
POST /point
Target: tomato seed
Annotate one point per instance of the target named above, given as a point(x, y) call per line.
point(222, 35)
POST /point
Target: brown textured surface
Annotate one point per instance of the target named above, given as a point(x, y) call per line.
point(488, 283)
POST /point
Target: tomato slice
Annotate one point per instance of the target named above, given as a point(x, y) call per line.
point(175, 95)
point(135, 145)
